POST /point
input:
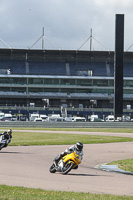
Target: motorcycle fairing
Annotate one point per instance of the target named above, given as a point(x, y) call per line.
point(72, 157)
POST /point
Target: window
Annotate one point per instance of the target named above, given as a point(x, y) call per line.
point(4, 80)
point(67, 82)
point(110, 83)
point(35, 80)
point(128, 83)
point(100, 82)
point(35, 89)
point(18, 89)
point(84, 82)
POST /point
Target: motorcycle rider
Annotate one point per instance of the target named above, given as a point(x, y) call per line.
point(7, 137)
point(78, 147)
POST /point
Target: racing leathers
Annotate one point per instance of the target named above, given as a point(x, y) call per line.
point(7, 138)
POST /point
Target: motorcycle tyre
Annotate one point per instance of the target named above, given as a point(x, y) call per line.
point(52, 168)
point(68, 169)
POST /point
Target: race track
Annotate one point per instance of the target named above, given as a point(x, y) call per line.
point(28, 166)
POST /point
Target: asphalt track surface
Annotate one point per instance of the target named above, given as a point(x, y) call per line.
point(28, 166)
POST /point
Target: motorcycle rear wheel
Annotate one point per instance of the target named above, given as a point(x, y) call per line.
point(52, 168)
point(67, 168)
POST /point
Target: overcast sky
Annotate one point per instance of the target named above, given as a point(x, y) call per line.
point(67, 23)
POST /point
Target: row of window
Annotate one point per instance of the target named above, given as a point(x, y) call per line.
point(61, 81)
point(46, 85)
point(64, 90)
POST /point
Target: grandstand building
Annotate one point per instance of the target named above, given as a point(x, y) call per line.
point(74, 78)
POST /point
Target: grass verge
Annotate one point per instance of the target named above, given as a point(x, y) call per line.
point(21, 193)
point(37, 138)
point(126, 165)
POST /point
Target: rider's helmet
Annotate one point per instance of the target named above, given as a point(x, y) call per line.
point(79, 146)
point(9, 132)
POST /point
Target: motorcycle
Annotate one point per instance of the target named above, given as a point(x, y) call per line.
point(2, 142)
point(66, 164)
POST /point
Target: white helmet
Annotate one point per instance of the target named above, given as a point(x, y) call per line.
point(9, 131)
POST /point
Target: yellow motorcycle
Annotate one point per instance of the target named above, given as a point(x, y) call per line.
point(66, 164)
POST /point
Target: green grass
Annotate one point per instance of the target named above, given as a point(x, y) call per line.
point(126, 165)
point(37, 138)
point(21, 193)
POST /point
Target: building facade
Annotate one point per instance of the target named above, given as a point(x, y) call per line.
point(58, 77)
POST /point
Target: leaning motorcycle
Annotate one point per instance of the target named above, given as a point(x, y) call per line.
point(2, 142)
point(66, 164)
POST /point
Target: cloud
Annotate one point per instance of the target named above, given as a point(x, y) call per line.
point(67, 23)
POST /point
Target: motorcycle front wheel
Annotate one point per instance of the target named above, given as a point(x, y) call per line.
point(67, 168)
point(52, 168)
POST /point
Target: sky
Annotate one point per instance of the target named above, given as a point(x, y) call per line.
point(67, 24)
